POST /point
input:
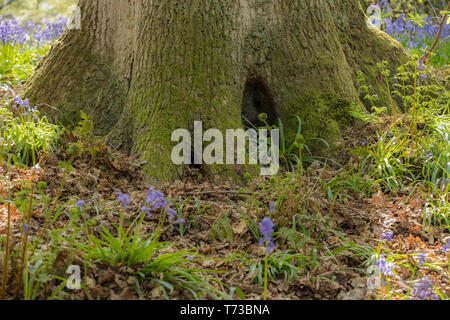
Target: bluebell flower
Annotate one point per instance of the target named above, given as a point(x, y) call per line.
point(17, 101)
point(422, 259)
point(26, 228)
point(272, 206)
point(266, 229)
point(123, 198)
point(364, 143)
point(386, 268)
point(446, 247)
point(80, 204)
point(424, 289)
point(171, 213)
point(147, 211)
point(387, 235)
point(156, 198)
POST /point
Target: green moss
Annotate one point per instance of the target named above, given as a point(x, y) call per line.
point(323, 115)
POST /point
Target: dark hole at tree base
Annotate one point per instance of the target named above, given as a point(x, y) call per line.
point(257, 99)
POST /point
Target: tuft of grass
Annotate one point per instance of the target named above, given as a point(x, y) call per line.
point(27, 136)
point(17, 62)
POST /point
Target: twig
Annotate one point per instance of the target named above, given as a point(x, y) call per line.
point(436, 42)
point(8, 231)
point(212, 192)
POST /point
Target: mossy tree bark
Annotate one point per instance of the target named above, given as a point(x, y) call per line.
point(144, 68)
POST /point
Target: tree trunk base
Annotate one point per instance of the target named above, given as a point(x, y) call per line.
point(142, 70)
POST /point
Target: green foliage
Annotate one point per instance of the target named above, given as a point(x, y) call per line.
point(129, 247)
point(221, 229)
point(28, 136)
point(415, 147)
point(17, 62)
point(172, 271)
point(285, 265)
point(292, 154)
point(349, 183)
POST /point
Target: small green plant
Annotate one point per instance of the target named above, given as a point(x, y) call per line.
point(349, 183)
point(292, 154)
point(129, 247)
point(27, 135)
point(365, 91)
point(414, 147)
point(221, 228)
point(17, 62)
point(173, 270)
point(285, 265)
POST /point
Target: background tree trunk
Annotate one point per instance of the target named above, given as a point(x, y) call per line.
point(144, 68)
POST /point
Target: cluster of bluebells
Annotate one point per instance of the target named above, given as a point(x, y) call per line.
point(386, 268)
point(27, 33)
point(266, 229)
point(424, 290)
point(24, 109)
point(123, 198)
point(387, 236)
point(156, 200)
point(408, 32)
point(422, 259)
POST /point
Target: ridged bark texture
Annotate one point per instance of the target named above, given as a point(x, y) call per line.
point(144, 68)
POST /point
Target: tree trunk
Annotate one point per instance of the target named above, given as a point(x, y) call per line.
point(143, 68)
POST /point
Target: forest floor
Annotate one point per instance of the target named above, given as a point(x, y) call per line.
point(341, 235)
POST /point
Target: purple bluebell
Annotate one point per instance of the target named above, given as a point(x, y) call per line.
point(158, 200)
point(266, 229)
point(386, 268)
point(171, 213)
point(446, 247)
point(147, 211)
point(80, 204)
point(422, 259)
point(424, 290)
point(387, 236)
point(123, 198)
point(272, 206)
point(364, 143)
point(421, 65)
